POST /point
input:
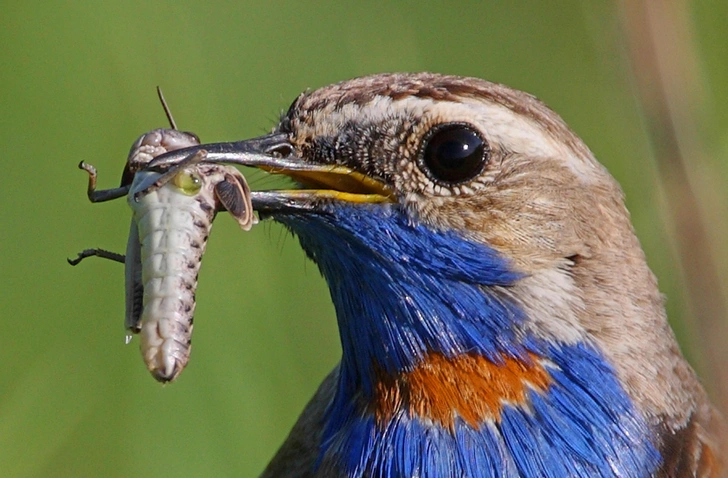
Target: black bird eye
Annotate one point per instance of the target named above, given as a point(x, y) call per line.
point(453, 153)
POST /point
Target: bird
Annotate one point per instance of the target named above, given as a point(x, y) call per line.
point(496, 312)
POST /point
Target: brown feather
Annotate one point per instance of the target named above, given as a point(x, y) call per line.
point(544, 202)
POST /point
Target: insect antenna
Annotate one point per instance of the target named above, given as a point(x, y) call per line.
point(167, 112)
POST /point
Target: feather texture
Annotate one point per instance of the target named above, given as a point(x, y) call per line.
point(502, 325)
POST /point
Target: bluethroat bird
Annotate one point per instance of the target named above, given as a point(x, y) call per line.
point(496, 313)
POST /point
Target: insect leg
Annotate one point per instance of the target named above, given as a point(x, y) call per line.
point(134, 286)
point(104, 194)
point(104, 254)
point(167, 176)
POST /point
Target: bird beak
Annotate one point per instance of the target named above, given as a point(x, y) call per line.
point(274, 154)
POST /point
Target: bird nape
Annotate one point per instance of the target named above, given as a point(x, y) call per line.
point(496, 313)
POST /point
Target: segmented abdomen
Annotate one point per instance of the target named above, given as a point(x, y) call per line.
point(173, 228)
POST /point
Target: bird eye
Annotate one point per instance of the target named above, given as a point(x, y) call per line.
point(453, 153)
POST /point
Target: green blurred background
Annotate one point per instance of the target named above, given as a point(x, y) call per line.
point(77, 83)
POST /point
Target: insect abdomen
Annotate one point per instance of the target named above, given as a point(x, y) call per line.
point(173, 231)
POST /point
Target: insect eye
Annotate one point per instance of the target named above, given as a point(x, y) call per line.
point(453, 153)
point(188, 182)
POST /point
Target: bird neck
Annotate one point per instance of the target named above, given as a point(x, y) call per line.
point(405, 292)
point(437, 363)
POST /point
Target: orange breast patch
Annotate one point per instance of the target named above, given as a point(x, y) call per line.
point(468, 386)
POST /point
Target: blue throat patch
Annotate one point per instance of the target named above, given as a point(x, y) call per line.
point(407, 295)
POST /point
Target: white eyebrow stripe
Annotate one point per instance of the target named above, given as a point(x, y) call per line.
point(510, 130)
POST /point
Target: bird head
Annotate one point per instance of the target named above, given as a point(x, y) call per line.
point(484, 271)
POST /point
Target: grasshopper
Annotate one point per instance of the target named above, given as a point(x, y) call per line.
point(172, 213)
